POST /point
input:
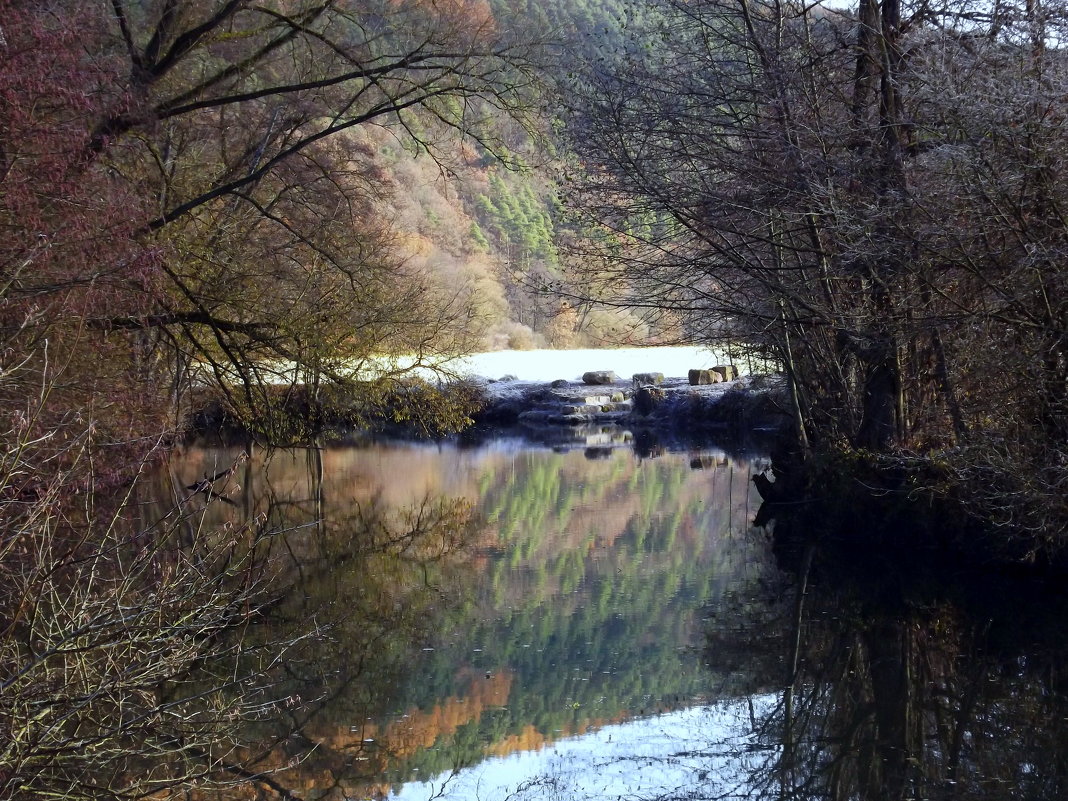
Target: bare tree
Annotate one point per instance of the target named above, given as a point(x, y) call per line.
point(120, 676)
point(868, 197)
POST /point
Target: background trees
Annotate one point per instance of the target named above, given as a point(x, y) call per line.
point(235, 223)
point(868, 197)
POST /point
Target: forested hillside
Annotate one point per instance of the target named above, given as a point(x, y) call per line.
point(498, 227)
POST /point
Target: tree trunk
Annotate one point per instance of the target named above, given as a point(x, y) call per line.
point(882, 381)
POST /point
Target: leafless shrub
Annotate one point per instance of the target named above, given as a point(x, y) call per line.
point(119, 674)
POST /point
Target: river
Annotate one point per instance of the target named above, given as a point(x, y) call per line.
point(511, 621)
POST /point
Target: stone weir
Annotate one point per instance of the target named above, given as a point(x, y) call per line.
point(716, 398)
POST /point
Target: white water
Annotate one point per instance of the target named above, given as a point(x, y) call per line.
point(674, 361)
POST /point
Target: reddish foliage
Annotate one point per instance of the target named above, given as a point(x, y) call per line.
point(68, 252)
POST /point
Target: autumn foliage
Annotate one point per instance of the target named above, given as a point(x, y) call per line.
point(189, 203)
point(185, 213)
point(69, 254)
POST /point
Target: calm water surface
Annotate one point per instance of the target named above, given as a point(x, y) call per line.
point(507, 621)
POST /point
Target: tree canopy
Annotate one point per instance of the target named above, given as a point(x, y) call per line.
point(186, 186)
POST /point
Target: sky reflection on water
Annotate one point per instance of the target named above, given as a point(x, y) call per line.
point(700, 752)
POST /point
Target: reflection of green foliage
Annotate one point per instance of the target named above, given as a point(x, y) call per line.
point(582, 600)
point(591, 634)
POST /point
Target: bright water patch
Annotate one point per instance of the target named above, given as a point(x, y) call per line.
point(548, 365)
point(540, 365)
point(702, 752)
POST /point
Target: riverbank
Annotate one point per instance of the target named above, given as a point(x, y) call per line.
point(744, 405)
point(874, 511)
point(669, 407)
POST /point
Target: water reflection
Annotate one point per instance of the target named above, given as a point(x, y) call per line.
point(506, 621)
point(704, 751)
point(906, 677)
point(472, 603)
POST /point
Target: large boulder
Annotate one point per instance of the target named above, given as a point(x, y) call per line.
point(728, 371)
point(646, 379)
point(599, 377)
point(699, 377)
point(560, 383)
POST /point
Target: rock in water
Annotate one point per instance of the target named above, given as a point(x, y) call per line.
point(642, 379)
point(599, 377)
point(766, 487)
point(698, 377)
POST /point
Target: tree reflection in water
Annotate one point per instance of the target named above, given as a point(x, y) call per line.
point(875, 673)
point(576, 611)
point(358, 585)
point(904, 677)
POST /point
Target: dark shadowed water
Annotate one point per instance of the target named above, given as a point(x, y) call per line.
point(509, 621)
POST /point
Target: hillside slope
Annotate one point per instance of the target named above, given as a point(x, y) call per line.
point(496, 232)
